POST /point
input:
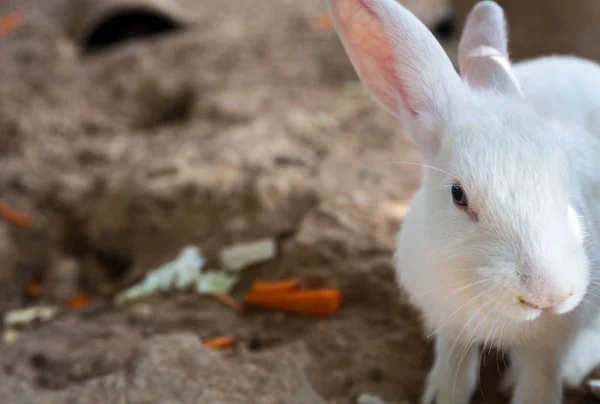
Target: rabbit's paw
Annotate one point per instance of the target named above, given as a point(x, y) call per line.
point(449, 387)
point(582, 358)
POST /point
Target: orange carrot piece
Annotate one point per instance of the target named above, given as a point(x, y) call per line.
point(35, 290)
point(14, 216)
point(78, 301)
point(219, 342)
point(309, 302)
point(10, 22)
point(286, 285)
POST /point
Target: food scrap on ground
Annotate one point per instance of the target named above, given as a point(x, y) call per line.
point(275, 286)
point(14, 216)
point(10, 22)
point(9, 336)
point(215, 282)
point(184, 272)
point(27, 315)
point(78, 301)
point(35, 290)
point(242, 255)
point(224, 341)
point(287, 296)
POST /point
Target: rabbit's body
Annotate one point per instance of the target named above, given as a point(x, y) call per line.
point(500, 246)
point(558, 88)
point(563, 87)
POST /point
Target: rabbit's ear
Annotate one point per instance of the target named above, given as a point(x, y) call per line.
point(402, 64)
point(483, 55)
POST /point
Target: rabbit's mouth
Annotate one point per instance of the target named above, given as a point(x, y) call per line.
point(530, 313)
point(526, 310)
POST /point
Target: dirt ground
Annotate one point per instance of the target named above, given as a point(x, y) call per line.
point(247, 124)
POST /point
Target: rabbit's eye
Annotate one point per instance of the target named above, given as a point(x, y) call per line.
point(458, 195)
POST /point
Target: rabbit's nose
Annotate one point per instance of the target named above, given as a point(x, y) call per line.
point(546, 302)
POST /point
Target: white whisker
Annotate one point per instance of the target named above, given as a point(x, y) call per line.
point(465, 287)
point(458, 309)
point(415, 164)
point(471, 317)
point(471, 340)
point(442, 287)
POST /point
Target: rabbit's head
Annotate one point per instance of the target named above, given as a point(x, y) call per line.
point(494, 219)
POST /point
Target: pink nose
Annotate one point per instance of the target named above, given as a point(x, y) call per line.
point(544, 302)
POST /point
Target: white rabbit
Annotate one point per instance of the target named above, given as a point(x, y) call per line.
point(500, 246)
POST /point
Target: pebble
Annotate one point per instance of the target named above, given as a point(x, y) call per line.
point(10, 336)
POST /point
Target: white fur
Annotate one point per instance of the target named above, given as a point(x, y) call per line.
point(524, 143)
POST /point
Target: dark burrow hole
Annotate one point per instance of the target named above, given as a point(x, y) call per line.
point(127, 25)
point(115, 265)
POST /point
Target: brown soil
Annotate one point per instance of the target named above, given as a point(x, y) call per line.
point(246, 125)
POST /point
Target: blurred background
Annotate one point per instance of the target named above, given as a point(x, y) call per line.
point(216, 143)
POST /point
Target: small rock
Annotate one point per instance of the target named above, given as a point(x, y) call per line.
point(10, 336)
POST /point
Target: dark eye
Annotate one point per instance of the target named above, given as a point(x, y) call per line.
point(458, 195)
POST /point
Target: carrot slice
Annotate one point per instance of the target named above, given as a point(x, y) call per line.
point(78, 301)
point(35, 289)
point(14, 216)
point(309, 302)
point(275, 286)
point(219, 342)
point(10, 22)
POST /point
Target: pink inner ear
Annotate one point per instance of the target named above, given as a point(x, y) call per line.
point(367, 45)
